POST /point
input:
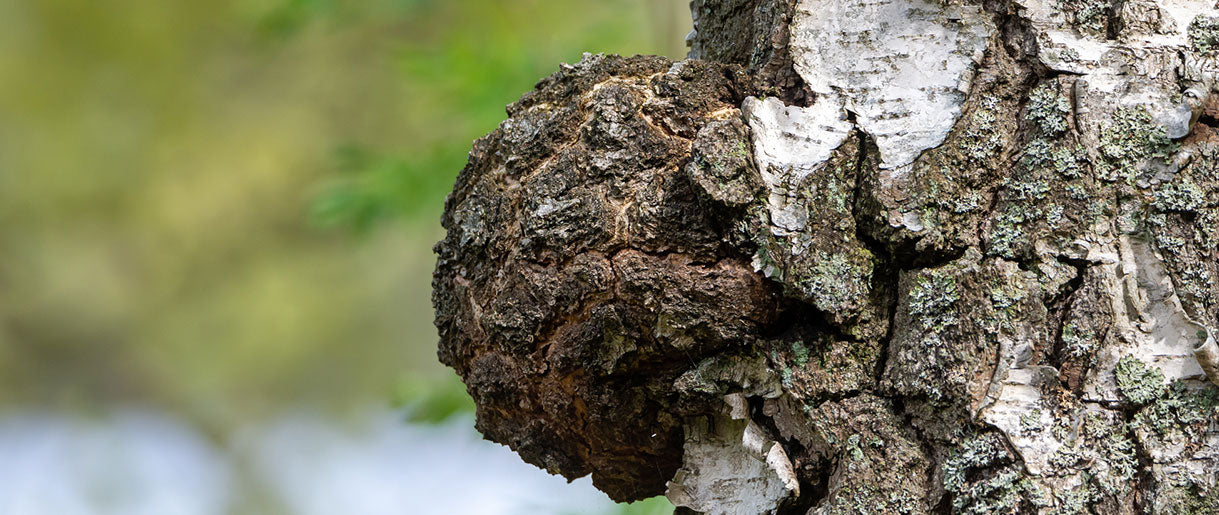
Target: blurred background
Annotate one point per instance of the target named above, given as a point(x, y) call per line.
point(216, 222)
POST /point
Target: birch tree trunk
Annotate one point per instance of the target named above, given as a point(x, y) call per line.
point(858, 256)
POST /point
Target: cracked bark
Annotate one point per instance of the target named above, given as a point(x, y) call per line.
point(858, 257)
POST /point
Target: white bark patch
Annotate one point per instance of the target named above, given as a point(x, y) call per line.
point(791, 143)
point(1143, 67)
point(1040, 433)
point(1020, 414)
point(1150, 324)
point(902, 66)
point(1149, 64)
point(1148, 316)
point(732, 466)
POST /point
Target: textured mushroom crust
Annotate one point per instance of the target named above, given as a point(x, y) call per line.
point(582, 274)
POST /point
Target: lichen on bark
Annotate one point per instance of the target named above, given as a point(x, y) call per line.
point(797, 274)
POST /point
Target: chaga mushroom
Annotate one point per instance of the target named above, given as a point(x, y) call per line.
point(586, 267)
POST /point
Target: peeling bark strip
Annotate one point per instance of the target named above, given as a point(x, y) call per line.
point(902, 66)
point(858, 256)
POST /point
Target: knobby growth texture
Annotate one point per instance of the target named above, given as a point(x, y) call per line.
point(858, 257)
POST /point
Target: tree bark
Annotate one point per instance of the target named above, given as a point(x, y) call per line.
point(883, 256)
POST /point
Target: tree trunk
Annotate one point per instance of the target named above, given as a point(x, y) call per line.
point(882, 256)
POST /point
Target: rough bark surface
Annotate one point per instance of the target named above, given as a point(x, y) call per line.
point(883, 256)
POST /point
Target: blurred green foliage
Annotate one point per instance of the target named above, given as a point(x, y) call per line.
point(225, 209)
point(653, 506)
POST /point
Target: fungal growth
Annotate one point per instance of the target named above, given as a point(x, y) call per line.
point(882, 256)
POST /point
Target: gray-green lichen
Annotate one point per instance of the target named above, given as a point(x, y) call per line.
point(932, 299)
point(878, 464)
point(953, 322)
point(984, 478)
point(1204, 33)
point(1139, 382)
point(1184, 197)
point(1130, 141)
point(1178, 433)
point(1089, 16)
point(1048, 109)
